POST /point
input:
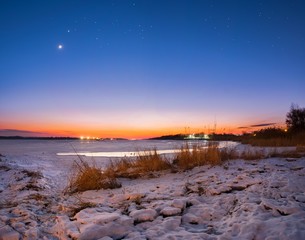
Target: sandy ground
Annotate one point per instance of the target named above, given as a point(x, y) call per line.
point(263, 199)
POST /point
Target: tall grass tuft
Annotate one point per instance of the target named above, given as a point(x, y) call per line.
point(249, 154)
point(89, 177)
point(190, 157)
point(145, 162)
point(151, 161)
point(228, 154)
point(122, 168)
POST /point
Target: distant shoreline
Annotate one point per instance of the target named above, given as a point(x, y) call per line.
point(58, 138)
point(37, 138)
point(177, 137)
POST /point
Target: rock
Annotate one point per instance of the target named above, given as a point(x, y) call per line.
point(190, 218)
point(172, 223)
point(31, 234)
point(170, 211)
point(134, 236)
point(192, 202)
point(113, 230)
point(300, 198)
point(7, 233)
point(93, 216)
point(103, 225)
point(3, 218)
point(177, 203)
point(291, 159)
point(143, 215)
point(105, 238)
point(219, 190)
point(18, 226)
point(135, 196)
point(125, 221)
point(65, 227)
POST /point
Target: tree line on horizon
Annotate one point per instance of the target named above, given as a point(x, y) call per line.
point(293, 134)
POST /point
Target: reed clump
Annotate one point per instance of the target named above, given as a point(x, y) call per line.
point(196, 155)
point(297, 153)
point(252, 154)
point(145, 162)
point(90, 177)
point(151, 161)
point(123, 168)
point(228, 153)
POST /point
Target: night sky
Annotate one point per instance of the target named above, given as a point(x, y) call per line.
point(147, 68)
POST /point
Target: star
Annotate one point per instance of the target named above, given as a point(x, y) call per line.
point(60, 46)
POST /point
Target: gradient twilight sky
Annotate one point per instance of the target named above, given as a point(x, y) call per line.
point(147, 68)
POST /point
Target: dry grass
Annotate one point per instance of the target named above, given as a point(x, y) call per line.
point(151, 161)
point(228, 154)
point(81, 205)
point(298, 153)
point(190, 157)
point(32, 174)
point(123, 168)
point(255, 154)
point(252, 154)
point(269, 142)
point(283, 141)
point(145, 163)
point(89, 177)
point(300, 148)
point(7, 204)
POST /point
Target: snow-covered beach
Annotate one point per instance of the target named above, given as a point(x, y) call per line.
point(242, 199)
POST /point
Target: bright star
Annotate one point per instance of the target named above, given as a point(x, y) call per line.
point(60, 46)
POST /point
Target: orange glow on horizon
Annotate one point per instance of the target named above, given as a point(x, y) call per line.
point(111, 132)
point(129, 131)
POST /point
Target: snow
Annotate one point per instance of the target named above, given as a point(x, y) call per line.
point(262, 199)
point(8, 233)
point(170, 211)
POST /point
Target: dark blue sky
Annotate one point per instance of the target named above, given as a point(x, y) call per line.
point(144, 67)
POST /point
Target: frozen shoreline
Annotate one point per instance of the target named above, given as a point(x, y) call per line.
point(261, 199)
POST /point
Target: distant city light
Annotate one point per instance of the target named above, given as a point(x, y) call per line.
point(88, 138)
point(197, 136)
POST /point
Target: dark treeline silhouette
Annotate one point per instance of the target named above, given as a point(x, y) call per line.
point(293, 135)
point(295, 119)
